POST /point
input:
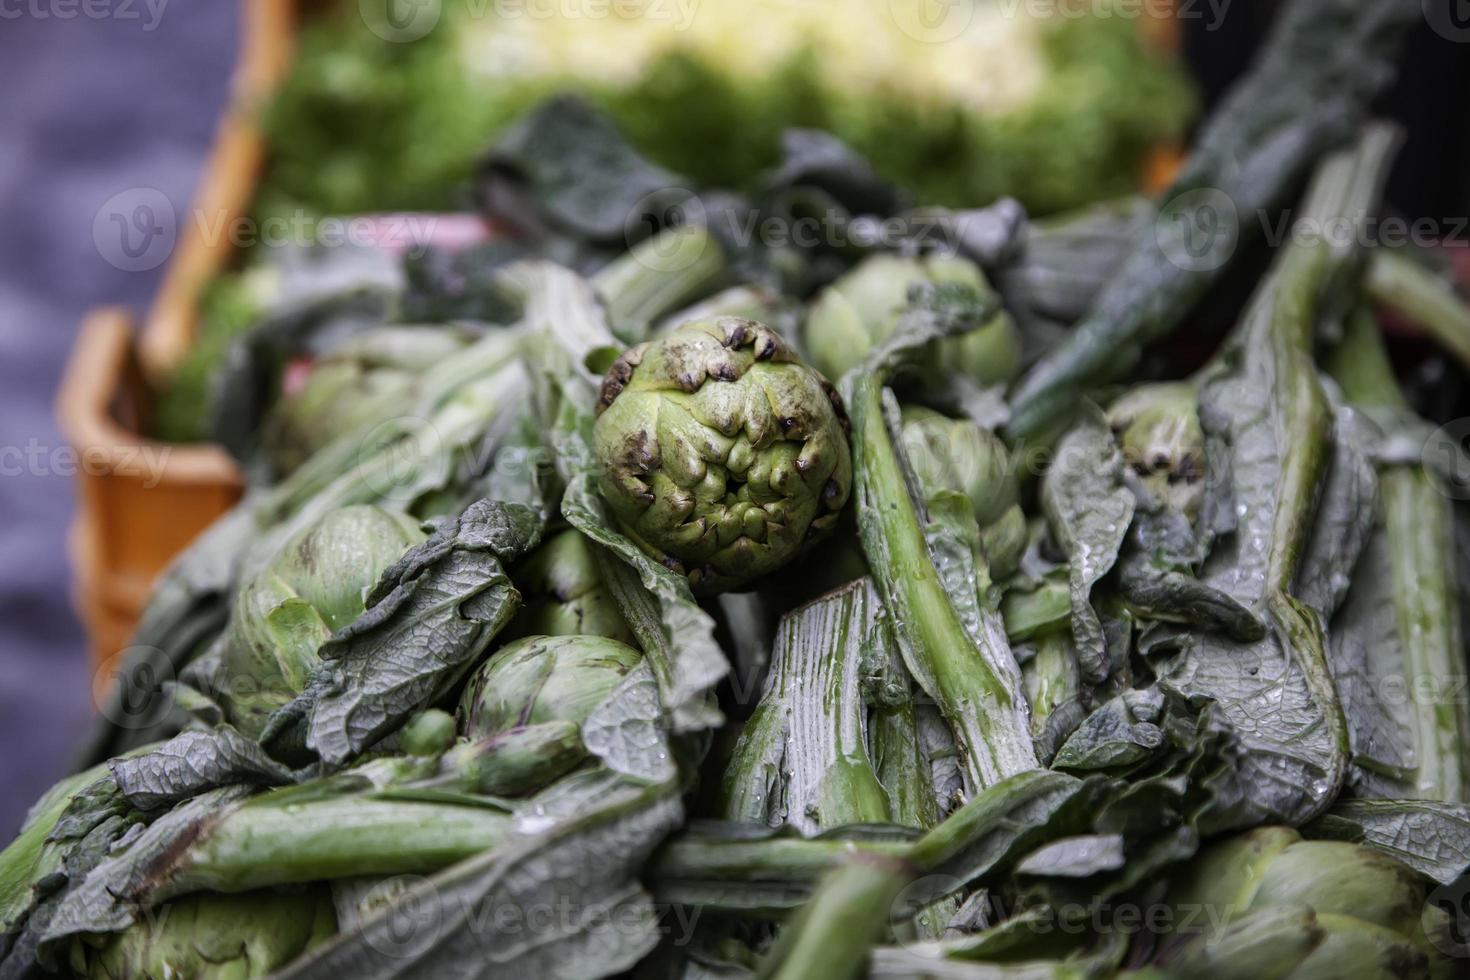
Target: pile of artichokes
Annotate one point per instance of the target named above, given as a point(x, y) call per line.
point(722, 613)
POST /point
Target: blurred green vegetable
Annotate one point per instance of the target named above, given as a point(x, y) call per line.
point(1055, 110)
point(358, 382)
point(211, 937)
point(860, 312)
point(315, 587)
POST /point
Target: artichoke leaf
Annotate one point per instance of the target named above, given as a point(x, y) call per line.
point(1089, 509)
point(193, 762)
point(1431, 837)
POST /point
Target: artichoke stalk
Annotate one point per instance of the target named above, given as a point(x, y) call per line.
point(972, 676)
point(803, 758)
point(313, 588)
point(1418, 524)
point(860, 311)
point(721, 454)
point(850, 909)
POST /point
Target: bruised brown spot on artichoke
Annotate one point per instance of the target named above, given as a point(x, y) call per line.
point(617, 377)
point(737, 330)
point(835, 400)
point(748, 447)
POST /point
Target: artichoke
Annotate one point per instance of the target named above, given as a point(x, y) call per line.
point(540, 679)
point(959, 456)
point(314, 587)
point(522, 712)
point(721, 454)
point(861, 311)
point(354, 385)
point(1158, 429)
point(562, 593)
point(211, 937)
point(1367, 912)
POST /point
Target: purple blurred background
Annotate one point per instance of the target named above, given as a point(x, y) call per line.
point(91, 106)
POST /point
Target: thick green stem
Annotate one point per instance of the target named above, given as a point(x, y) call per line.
point(1419, 524)
point(852, 907)
point(1400, 283)
point(659, 275)
point(975, 688)
point(261, 844)
point(804, 752)
point(1281, 323)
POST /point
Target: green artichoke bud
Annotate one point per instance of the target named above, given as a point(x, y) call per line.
point(1352, 949)
point(314, 587)
point(211, 937)
point(1369, 908)
point(428, 733)
point(562, 593)
point(352, 386)
point(1157, 427)
point(1265, 945)
point(542, 679)
point(860, 311)
point(523, 709)
point(1004, 543)
point(1344, 879)
point(721, 454)
point(958, 455)
point(1225, 875)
